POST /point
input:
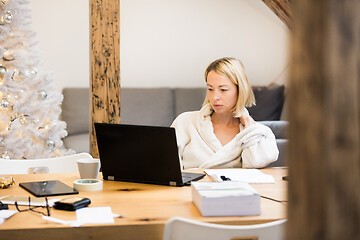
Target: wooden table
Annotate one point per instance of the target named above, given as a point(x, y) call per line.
point(145, 207)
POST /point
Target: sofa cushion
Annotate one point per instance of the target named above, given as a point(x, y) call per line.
point(153, 106)
point(269, 103)
point(78, 142)
point(75, 110)
point(188, 99)
point(285, 111)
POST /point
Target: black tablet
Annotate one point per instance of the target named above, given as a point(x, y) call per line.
point(48, 188)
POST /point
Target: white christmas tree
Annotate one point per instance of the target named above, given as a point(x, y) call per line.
point(29, 103)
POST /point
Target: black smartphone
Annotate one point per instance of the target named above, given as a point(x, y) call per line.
point(72, 203)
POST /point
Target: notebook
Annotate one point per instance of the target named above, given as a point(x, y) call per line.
point(144, 154)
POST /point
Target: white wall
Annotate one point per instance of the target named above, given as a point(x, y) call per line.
point(166, 43)
point(63, 32)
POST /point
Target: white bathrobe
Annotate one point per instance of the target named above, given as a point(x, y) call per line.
point(253, 147)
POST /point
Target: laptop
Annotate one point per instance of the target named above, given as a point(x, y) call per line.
point(143, 154)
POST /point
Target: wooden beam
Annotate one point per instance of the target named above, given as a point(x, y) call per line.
point(104, 65)
point(324, 115)
point(283, 9)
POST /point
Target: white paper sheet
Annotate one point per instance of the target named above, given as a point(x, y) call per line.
point(95, 215)
point(88, 216)
point(5, 214)
point(240, 175)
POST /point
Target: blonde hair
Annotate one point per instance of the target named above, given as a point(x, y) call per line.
point(234, 70)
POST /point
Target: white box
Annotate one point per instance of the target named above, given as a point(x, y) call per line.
point(225, 198)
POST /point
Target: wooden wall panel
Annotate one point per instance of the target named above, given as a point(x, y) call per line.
point(324, 158)
point(104, 65)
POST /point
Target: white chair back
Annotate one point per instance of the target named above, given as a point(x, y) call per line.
point(179, 228)
point(64, 164)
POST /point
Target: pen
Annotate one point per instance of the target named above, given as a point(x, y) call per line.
point(225, 178)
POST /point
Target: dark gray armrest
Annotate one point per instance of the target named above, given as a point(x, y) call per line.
point(277, 127)
point(282, 145)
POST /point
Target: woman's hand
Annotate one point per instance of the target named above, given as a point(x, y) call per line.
point(246, 120)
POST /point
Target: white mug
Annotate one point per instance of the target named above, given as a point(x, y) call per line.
point(88, 168)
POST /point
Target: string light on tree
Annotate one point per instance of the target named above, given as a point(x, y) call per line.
point(23, 119)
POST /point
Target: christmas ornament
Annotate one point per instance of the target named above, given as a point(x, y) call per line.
point(8, 56)
point(42, 94)
point(3, 71)
point(7, 18)
point(24, 74)
point(33, 71)
point(5, 155)
point(4, 104)
point(50, 144)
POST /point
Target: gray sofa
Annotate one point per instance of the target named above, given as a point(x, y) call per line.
point(160, 106)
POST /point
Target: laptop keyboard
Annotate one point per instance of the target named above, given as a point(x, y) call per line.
point(186, 176)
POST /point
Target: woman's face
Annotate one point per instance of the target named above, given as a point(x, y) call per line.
point(222, 92)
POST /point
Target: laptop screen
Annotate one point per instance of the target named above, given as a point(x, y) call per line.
point(134, 153)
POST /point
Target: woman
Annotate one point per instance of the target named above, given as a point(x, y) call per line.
point(222, 134)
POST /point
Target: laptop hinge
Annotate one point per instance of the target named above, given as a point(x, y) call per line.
point(111, 178)
point(172, 183)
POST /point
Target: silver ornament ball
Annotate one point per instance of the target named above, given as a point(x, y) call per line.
point(9, 56)
point(3, 71)
point(50, 144)
point(25, 74)
point(42, 94)
point(7, 18)
point(33, 71)
point(4, 104)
